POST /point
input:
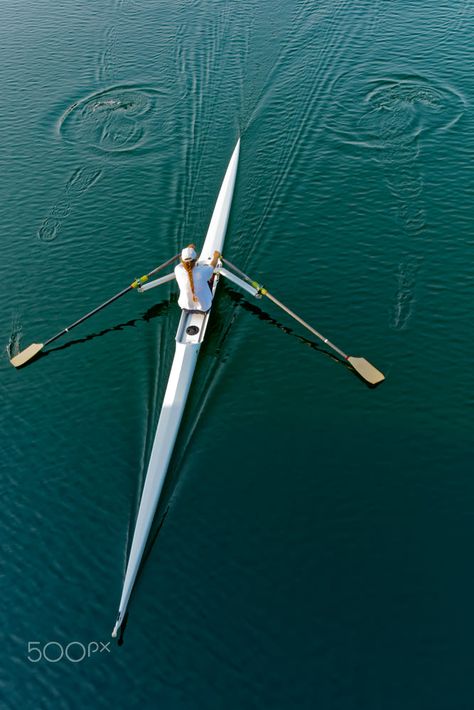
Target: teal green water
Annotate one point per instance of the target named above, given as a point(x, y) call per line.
point(317, 545)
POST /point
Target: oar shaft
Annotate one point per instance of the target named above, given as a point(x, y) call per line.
point(118, 295)
point(281, 305)
point(163, 266)
point(88, 315)
point(306, 325)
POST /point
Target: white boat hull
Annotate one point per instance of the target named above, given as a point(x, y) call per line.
point(189, 337)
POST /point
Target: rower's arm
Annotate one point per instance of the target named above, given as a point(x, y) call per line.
point(156, 282)
point(235, 279)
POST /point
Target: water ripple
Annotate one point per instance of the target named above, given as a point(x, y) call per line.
point(389, 113)
point(13, 345)
point(114, 120)
point(107, 60)
point(82, 179)
point(389, 116)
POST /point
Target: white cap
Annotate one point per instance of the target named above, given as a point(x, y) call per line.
point(188, 254)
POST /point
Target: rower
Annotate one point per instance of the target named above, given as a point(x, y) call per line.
point(193, 279)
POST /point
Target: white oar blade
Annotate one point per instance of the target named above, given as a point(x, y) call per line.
point(366, 370)
point(26, 354)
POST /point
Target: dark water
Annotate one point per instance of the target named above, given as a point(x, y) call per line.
point(317, 549)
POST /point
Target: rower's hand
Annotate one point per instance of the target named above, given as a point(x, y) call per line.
point(215, 259)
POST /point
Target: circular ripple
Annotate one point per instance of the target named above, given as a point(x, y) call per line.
point(385, 112)
point(49, 229)
point(115, 120)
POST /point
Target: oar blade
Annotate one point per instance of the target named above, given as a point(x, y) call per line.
point(366, 370)
point(26, 355)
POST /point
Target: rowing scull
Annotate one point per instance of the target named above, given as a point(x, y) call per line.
point(189, 337)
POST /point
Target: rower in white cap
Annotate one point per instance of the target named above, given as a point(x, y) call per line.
point(193, 279)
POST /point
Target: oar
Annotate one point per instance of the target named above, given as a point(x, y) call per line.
point(363, 368)
point(32, 350)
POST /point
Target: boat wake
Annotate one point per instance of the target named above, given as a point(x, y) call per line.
point(328, 39)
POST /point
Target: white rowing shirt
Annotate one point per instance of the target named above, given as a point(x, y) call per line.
point(202, 272)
